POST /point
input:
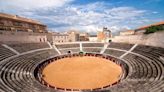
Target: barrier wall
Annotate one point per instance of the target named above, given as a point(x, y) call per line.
point(154, 39)
point(22, 37)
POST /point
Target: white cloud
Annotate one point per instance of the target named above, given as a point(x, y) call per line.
point(59, 15)
point(124, 12)
point(119, 28)
point(154, 12)
point(89, 19)
point(32, 4)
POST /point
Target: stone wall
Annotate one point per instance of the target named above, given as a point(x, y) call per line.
point(154, 39)
point(22, 37)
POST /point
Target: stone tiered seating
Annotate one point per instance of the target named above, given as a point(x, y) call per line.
point(148, 51)
point(73, 45)
point(156, 54)
point(5, 53)
point(17, 73)
point(145, 72)
point(72, 50)
point(137, 86)
point(93, 45)
point(142, 68)
point(123, 46)
point(65, 48)
point(24, 47)
point(115, 53)
point(92, 50)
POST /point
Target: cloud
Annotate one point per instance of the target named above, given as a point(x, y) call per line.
point(89, 18)
point(32, 4)
point(124, 12)
point(62, 15)
point(154, 12)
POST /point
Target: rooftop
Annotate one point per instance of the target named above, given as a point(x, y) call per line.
point(19, 18)
point(155, 24)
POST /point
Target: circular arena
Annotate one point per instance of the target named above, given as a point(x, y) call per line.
point(81, 66)
point(70, 72)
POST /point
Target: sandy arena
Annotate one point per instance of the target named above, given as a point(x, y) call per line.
point(81, 73)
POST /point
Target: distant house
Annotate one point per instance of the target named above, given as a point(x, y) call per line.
point(93, 38)
point(104, 35)
point(128, 32)
point(84, 36)
point(55, 37)
point(73, 35)
point(60, 38)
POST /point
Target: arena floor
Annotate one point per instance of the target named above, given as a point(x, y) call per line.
point(81, 73)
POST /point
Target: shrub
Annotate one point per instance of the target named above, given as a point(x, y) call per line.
point(153, 29)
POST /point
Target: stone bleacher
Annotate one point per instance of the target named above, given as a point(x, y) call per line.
point(92, 50)
point(155, 54)
point(65, 48)
point(24, 47)
point(122, 46)
point(137, 86)
point(145, 72)
point(115, 53)
point(142, 68)
point(17, 73)
point(72, 50)
point(5, 53)
point(93, 45)
point(73, 45)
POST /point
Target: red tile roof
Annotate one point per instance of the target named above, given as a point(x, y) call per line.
point(144, 27)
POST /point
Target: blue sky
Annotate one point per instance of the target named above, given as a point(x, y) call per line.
point(88, 15)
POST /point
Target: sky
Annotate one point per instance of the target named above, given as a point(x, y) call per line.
point(88, 15)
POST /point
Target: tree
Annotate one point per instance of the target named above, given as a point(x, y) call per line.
point(153, 29)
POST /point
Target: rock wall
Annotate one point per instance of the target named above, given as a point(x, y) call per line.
point(22, 37)
point(154, 39)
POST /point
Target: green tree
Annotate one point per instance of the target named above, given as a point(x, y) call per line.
point(153, 29)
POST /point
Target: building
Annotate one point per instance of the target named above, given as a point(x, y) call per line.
point(69, 36)
point(104, 35)
point(142, 30)
point(107, 32)
point(73, 35)
point(16, 23)
point(84, 36)
point(128, 32)
point(93, 38)
point(100, 36)
point(60, 38)
point(55, 37)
